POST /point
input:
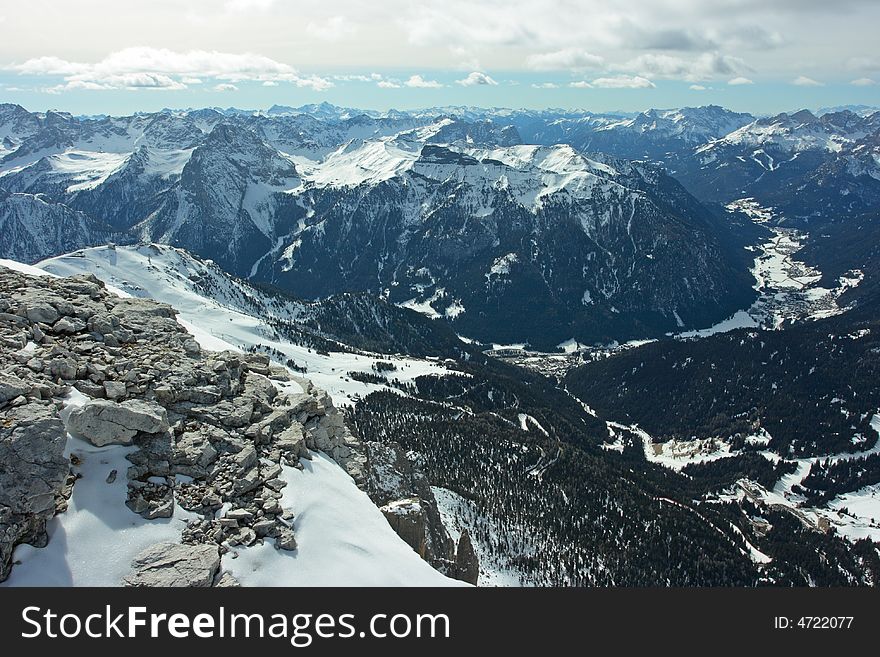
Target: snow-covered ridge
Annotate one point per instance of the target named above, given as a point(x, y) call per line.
point(221, 310)
point(530, 172)
point(692, 124)
point(796, 132)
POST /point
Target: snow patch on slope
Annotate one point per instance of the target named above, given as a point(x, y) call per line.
point(342, 539)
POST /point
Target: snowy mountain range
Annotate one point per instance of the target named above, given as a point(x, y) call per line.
point(476, 216)
point(421, 209)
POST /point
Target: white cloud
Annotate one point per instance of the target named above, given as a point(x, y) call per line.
point(130, 81)
point(739, 81)
point(580, 84)
point(49, 66)
point(698, 87)
point(335, 28)
point(313, 82)
point(476, 79)
point(373, 77)
point(388, 84)
point(164, 68)
point(418, 82)
point(247, 6)
point(545, 85)
point(225, 86)
point(804, 81)
point(864, 82)
point(623, 82)
point(568, 59)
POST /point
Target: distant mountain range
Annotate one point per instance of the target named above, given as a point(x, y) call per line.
point(578, 221)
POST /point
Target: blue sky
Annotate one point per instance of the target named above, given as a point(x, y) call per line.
point(94, 57)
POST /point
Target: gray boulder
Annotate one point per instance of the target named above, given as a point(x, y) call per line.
point(11, 387)
point(39, 311)
point(103, 422)
point(170, 564)
point(114, 389)
point(33, 471)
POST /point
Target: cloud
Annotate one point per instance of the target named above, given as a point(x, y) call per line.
point(388, 84)
point(129, 81)
point(418, 82)
point(569, 59)
point(647, 38)
point(247, 6)
point(468, 24)
point(164, 68)
point(697, 42)
point(580, 84)
point(225, 86)
point(751, 37)
point(545, 85)
point(270, 83)
point(864, 82)
point(704, 67)
point(336, 28)
point(313, 82)
point(373, 77)
point(476, 79)
point(48, 66)
point(698, 87)
point(623, 82)
point(707, 39)
point(739, 81)
point(804, 81)
point(864, 63)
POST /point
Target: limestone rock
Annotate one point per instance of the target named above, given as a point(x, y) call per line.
point(114, 390)
point(408, 518)
point(33, 471)
point(104, 422)
point(170, 564)
point(39, 311)
point(11, 387)
point(226, 580)
point(285, 539)
point(467, 564)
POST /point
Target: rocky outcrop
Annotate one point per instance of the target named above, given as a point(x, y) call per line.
point(467, 564)
point(33, 470)
point(211, 431)
point(396, 483)
point(409, 519)
point(170, 564)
